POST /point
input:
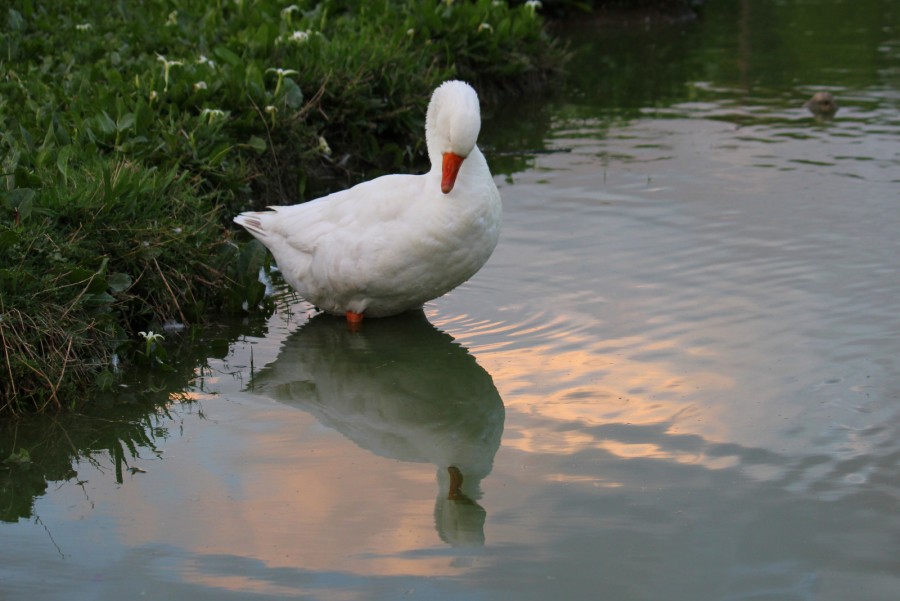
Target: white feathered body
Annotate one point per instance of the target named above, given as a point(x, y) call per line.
point(387, 245)
point(391, 244)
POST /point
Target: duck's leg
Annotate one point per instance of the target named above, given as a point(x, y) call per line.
point(456, 480)
point(354, 320)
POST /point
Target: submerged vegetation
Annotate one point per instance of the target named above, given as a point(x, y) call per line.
point(131, 132)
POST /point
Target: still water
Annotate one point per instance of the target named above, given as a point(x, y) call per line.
point(677, 378)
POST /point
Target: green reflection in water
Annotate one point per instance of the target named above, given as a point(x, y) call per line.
point(743, 62)
point(113, 429)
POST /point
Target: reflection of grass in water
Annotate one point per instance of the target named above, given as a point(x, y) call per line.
point(118, 429)
point(40, 450)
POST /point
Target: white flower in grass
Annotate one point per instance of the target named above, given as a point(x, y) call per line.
point(200, 85)
point(281, 73)
point(153, 95)
point(410, 32)
point(212, 115)
point(287, 12)
point(299, 37)
point(84, 27)
point(533, 5)
point(485, 27)
point(167, 66)
point(324, 148)
point(205, 61)
point(151, 337)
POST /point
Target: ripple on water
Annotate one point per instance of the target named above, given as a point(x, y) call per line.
point(682, 280)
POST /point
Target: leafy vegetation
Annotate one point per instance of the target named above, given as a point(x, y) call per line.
point(117, 429)
point(131, 132)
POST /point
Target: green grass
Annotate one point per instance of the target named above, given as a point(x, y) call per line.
point(131, 132)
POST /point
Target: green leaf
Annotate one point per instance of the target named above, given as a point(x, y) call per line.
point(227, 55)
point(125, 122)
point(21, 200)
point(78, 275)
point(62, 162)
point(99, 298)
point(257, 144)
point(255, 293)
point(219, 154)
point(95, 282)
point(264, 35)
point(293, 96)
point(84, 277)
point(105, 123)
point(119, 281)
point(251, 257)
point(16, 21)
point(49, 137)
point(105, 379)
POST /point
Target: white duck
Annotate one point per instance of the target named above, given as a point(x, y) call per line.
point(391, 244)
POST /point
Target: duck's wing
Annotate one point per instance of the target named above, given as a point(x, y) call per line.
point(353, 211)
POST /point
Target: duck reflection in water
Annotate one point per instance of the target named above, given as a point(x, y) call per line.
point(402, 389)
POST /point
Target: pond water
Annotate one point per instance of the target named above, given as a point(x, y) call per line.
point(677, 378)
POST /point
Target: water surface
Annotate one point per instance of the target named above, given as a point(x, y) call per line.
point(677, 378)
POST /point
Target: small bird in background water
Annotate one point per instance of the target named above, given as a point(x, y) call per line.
point(822, 104)
point(393, 243)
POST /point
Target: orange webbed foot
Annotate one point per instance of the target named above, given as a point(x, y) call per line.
point(354, 320)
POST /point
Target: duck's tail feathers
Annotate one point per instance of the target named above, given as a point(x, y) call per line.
point(251, 222)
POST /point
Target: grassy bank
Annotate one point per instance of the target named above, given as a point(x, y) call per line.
point(131, 132)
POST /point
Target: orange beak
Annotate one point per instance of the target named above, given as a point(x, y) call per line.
point(452, 163)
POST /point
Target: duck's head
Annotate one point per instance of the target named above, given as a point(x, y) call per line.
point(451, 128)
point(822, 104)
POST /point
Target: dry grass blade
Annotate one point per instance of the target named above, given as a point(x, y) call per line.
point(39, 357)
